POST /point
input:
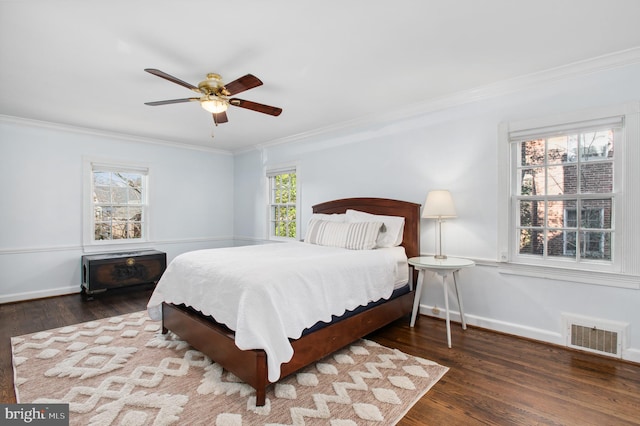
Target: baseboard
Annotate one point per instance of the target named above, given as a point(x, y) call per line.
point(496, 325)
point(632, 355)
point(50, 292)
point(628, 354)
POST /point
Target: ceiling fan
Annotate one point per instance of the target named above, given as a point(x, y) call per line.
point(215, 96)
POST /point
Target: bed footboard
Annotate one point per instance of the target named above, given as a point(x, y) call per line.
point(219, 345)
point(251, 365)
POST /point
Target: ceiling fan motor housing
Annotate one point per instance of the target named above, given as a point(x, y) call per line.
point(213, 85)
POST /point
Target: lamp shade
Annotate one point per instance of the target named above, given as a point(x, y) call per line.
point(439, 204)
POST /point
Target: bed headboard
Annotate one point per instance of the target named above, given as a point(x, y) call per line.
point(383, 206)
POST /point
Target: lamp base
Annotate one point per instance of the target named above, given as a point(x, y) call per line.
point(440, 256)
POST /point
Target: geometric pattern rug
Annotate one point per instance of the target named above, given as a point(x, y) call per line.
point(123, 371)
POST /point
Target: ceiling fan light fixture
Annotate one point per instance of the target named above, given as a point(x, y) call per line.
point(214, 105)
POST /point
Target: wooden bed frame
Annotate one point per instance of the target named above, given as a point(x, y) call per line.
point(217, 342)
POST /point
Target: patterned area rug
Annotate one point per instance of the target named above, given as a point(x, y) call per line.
point(123, 371)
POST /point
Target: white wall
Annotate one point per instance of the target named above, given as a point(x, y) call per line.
point(41, 196)
point(455, 148)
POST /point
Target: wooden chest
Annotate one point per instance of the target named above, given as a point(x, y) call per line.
point(105, 271)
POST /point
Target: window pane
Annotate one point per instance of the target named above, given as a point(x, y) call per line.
point(119, 195)
point(596, 214)
point(531, 213)
point(102, 194)
point(595, 245)
point(135, 196)
point(98, 214)
point(279, 230)
point(126, 180)
point(135, 214)
point(102, 178)
point(596, 145)
point(135, 230)
point(120, 213)
point(570, 243)
point(561, 243)
point(293, 185)
point(562, 214)
point(106, 213)
point(532, 152)
point(532, 181)
point(119, 230)
point(102, 231)
point(531, 241)
point(558, 149)
point(596, 177)
point(562, 180)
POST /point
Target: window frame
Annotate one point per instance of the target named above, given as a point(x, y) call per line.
point(92, 165)
point(624, 268)
point(271, 174)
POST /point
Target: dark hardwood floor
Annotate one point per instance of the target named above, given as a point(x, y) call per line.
point(493, 379)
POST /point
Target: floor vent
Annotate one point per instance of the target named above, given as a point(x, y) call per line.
point(595, 335)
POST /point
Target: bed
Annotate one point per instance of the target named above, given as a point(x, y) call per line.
point(218, 342)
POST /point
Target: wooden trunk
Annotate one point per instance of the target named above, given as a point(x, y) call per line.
point(101, 272)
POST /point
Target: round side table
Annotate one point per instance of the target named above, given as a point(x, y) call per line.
point(442, 267)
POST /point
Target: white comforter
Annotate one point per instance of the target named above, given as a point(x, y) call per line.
point(269, 293)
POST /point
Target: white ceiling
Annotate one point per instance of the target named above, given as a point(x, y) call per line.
point(326, 63)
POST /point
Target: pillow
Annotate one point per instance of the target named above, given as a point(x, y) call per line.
point(353, 236)
point(336, 217)
point(390, 235)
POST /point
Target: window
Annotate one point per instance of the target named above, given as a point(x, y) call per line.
point(118, 203)
point(568, 187)
point(283, 203)
point(564, 188)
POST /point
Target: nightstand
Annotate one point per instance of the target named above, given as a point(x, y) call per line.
point(442, 267)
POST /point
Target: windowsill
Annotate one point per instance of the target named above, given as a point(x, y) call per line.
point(564, 274)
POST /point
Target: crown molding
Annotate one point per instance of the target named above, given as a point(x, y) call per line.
point(589, 66)
point(105, 134)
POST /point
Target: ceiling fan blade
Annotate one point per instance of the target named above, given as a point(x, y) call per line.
point(172, 79)
point(171, 101)
point(247, 82)
point(254, 106)
point(220, 117)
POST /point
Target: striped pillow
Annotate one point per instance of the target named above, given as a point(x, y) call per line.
point(353, 236)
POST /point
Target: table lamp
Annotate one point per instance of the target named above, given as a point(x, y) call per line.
point(439, 205)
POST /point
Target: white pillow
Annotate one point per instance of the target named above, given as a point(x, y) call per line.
point(353, 236)
point(390, 235)
point(335, 217)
